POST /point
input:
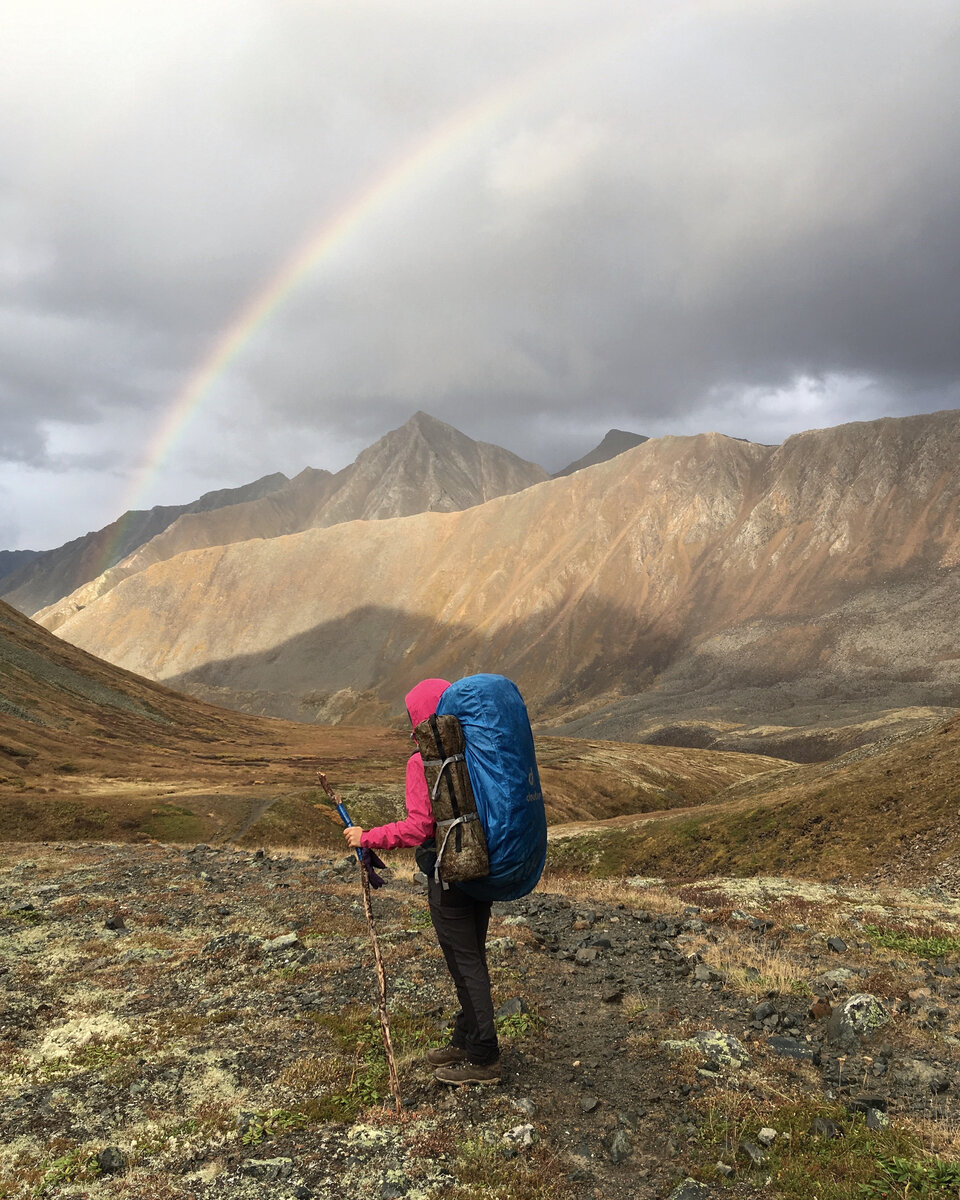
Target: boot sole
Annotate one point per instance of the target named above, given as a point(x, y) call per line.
point(466, 1082)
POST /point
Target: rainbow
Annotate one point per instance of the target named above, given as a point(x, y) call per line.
point(406, 171)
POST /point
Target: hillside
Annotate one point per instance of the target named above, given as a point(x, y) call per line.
point(87, 749)
point(810, 584)
point(13, 560)
point(885, 812)
point(46, 576)
point(424, 466)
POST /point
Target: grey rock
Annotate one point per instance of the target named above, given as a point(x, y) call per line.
point(689, 1189)
point(759, 924)
point(286, 941)
point(825, 1128)
point(619, 1147)
point(837, 945)
point(589, 1103)
point(110, 1160)
point(725, 1171)
point(859, 1016)
point(791, 1047)
point(837, 977)
point(751, 1151)
point(766, 1137)
point(914, 1073)
point(513, 1007)
point(269, 1169)
point(720, 1050)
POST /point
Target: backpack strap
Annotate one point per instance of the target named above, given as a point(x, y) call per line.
point(448, 828)
point(442, 763)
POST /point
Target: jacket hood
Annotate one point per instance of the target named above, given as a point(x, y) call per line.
point(422, 700)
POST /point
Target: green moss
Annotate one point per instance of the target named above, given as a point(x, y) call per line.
point(265, 1125)
point(482, 1168)
point(805, 1164)
point(913, 1179)
point(910, 942)
point(174, 824)
point(360, 1078)
point(75, 1166)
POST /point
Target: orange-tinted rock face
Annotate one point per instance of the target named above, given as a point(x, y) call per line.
point(424, 466)
point(700, 565)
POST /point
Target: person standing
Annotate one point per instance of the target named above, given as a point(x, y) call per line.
point(460, 921)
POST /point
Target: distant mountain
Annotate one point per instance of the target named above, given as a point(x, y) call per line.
point(12, 560)
point(48, 575)
point(424, 466)
point(615, 441)
point(703, 575)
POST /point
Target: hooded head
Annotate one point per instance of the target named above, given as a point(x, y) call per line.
point(422, 700)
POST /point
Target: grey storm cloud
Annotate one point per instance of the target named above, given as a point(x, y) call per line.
point(538, 220)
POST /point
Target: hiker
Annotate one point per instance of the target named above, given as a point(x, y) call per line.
point(460, 921)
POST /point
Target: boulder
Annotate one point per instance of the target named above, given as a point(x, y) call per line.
point(721, 1051)
point(859, 1016)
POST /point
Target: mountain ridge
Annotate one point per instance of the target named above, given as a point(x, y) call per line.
point(613, 443)
point(424, 465)
point(49, 574)
point(697, 564)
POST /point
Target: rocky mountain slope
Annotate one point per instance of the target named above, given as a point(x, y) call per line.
point(689, 575)
point(46, 576)
point(424, 466)
point(199, 1023)
point(614, 442)
point(12, 560)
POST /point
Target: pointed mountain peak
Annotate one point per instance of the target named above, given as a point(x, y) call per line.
point(615, 441)
point(431, 429)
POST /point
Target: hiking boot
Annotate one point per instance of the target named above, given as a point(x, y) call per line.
point(446, 1056)
point(468, 1072)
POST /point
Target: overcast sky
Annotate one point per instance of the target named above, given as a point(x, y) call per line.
point(534, 219)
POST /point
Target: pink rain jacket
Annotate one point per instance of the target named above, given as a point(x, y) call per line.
point(422, 702)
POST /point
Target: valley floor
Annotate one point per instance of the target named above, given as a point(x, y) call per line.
point(201, 1023)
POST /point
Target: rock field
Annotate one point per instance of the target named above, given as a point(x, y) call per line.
point(201, 1022)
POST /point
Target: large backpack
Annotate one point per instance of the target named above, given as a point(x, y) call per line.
point(503, 774)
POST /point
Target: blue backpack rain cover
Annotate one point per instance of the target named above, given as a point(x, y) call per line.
point(505, 781)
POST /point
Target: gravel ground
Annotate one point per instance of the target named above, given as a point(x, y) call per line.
point(201, 1022)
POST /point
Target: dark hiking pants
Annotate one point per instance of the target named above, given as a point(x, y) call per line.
point(461, 924)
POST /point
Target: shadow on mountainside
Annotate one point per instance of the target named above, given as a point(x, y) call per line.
point(805, 689)
point(359, 666)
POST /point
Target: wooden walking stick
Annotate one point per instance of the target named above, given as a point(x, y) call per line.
point(378, 957)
